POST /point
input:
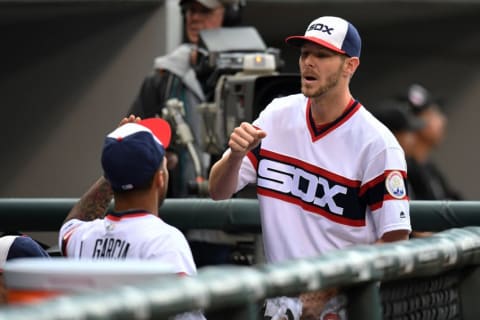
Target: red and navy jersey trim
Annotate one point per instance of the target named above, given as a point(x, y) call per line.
point(65, 239)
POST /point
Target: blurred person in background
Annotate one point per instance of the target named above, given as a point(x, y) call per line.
point(405, 125)
point(175, 76)
point(427, 181)
point(399, 118)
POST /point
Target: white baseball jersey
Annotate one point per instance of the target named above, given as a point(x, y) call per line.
point(127, 235)
point(325, 188)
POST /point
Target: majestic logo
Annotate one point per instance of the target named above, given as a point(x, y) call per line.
point(320, 27)
point(301, 184)
point(395, 185)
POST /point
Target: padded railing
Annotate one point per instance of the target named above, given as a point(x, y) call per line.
point(235, 215)
point(236, 292)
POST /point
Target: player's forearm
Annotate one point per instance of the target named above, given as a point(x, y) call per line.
point(223, 177)
point(392, 236)
point(93, 203)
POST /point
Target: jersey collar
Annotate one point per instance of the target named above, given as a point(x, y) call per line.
point(134, 213)
point(317, 134)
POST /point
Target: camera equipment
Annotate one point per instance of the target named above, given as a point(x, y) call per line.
point(244, 78)
point(240, 76)
point(174, 113)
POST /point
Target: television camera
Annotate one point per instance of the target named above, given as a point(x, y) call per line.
point(241, 76)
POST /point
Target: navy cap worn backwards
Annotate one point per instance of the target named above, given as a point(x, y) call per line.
point(132, 153)
point(333, 33)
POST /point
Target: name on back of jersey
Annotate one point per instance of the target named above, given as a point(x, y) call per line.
point(110, 248)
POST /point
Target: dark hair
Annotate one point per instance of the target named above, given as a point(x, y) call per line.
point(232, 15)
point(140, 187)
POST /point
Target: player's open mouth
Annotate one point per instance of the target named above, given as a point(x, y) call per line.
point(309, 78)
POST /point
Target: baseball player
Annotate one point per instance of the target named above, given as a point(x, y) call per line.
point(329, 175)
point(135, 173)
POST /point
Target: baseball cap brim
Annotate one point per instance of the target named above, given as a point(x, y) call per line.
point(211, 4)
point(298, 41)
point(160, 129)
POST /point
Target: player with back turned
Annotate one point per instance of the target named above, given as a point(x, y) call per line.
point(329, 175)
point(136, 177)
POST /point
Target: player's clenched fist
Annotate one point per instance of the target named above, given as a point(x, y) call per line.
point(244, 138)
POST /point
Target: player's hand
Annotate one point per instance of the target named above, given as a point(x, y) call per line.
point(129, 119)
point(245, 138)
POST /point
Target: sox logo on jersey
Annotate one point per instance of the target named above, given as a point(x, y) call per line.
point(287, 178)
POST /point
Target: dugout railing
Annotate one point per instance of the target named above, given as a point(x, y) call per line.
point(234, 215)
point(429, 278)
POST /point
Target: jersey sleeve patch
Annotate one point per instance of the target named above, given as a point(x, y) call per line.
point(391, 185)
point(395, 185)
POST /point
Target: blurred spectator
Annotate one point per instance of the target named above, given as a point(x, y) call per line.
point(175, 76)
point(12, 247)
point(402, 122)
point(426, 179)
point(397, 117)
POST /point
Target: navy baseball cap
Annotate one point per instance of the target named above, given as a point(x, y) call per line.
point(133, 152)
point(333, 33)
point(12, 247)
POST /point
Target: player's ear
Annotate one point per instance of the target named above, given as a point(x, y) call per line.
point(351, 64)
point(160, 178)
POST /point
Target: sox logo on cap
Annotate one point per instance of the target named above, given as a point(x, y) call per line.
point(333, 33)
